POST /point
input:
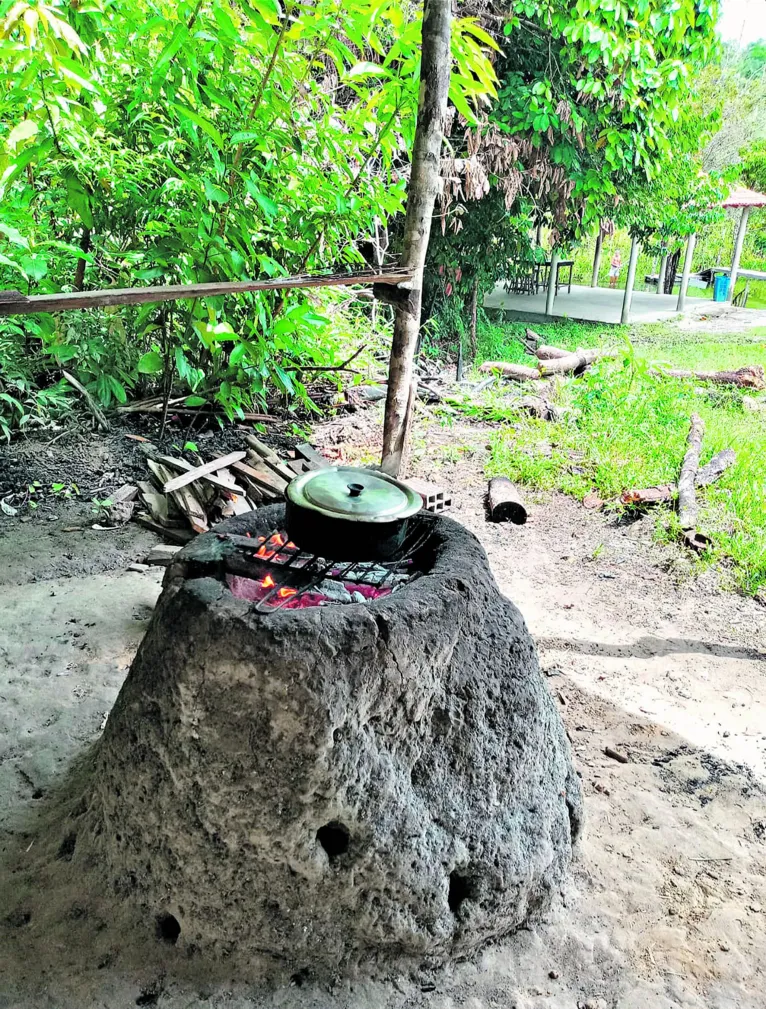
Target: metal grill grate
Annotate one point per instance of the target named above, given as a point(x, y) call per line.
point(280, 574)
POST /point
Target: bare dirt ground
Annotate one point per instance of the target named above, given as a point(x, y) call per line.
point(667, 903)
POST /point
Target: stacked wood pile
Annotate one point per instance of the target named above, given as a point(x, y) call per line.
point(180, 500)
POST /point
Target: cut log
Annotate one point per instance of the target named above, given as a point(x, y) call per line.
point(199, 471)
point(751, 376)
point(518, 372)
point(505, 502)
point(717, 466)
point(310, 454)
point(687, 496)
point(575, 363)
point(548, 353)
point(532, 341)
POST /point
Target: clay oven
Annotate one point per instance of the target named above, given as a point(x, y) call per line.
point(365, 766)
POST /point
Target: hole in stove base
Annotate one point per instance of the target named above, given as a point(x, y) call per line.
point(168, 928)
point(335, 839)
point(460, 888)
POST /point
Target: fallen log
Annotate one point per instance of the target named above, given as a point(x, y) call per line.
point(752, 376)
point(504, 502)
point(687, 495)
point(548, 353)
point(575, 363)
point(531, 341)
point(518, 372)
point(717, 466)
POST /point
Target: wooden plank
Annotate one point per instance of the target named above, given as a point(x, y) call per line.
point(176, 535)
point(15, 303)
point(212, 478)
point(204, 470)
point(262, 477)
point(310, 454)
point(185, 498)
point(270, 457)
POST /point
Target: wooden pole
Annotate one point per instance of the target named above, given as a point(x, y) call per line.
point(597, 258)
point(739, 243)
point(552, 277)
point(627, 298)
point(435, 68)
point(681, 303)
point(661, 276)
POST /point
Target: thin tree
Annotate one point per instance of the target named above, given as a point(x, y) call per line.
point(435, 66)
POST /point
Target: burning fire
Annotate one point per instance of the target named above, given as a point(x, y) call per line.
point(268, 582)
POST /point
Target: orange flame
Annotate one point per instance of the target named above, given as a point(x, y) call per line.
point(268, 583)
point(285, 592)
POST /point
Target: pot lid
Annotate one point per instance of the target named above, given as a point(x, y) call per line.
point(359, 495)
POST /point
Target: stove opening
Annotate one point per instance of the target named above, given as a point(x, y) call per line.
point(335, 839)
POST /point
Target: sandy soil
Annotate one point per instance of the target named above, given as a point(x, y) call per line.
point(667, 903)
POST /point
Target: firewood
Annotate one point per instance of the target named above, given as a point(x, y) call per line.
point(687, 497)
point(270, 457)
point(575, 363)
point(263, 478)
point(717, 466)
point(505, 502)
point(310, 454)
point(548, 353)
point(531, 341)
point(199, 471)
point(185, 498)
point(518, 372)
point(752, 376)
point(210, 478)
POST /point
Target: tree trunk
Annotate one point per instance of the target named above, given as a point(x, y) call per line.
point(79, 273)
point(474, 317)
point(671, 270)
point(435, 67)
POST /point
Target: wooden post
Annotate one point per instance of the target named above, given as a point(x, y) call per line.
point(661, 276)
point(597, 258)
point(740, 241)
point(435, 68)
point(627, 297)
point(681, 304)
point(552, 277)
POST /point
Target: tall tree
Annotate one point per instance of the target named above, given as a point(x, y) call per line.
point(435, 67)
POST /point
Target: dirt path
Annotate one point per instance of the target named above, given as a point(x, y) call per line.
point(667, 904)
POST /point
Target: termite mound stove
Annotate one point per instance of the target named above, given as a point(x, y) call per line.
point(334, 746)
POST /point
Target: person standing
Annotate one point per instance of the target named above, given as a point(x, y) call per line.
point(614, 269)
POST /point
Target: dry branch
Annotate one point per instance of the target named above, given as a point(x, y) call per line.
point(752, 376)
point(92, 404)
point(504, 502)
point(687, 496)
point(667, 492)
point(717, 466)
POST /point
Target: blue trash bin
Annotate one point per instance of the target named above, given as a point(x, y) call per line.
point(721, 287)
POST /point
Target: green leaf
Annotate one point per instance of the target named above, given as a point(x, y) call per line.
point(150, 363)
point(204, 124)
point(194, 401)
point(24, 130)
point(214, 193)
point(78, 199)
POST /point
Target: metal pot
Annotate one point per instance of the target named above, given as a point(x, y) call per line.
point(349, 514)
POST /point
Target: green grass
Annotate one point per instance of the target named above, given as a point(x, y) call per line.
point(624, 427)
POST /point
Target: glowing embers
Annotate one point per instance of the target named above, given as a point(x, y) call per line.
point(295, 579)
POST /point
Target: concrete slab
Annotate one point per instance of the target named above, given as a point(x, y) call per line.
point(593, 304)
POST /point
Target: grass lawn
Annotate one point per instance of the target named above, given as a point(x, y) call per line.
point(623, 428)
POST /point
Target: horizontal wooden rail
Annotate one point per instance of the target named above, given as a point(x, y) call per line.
point(15, 303)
